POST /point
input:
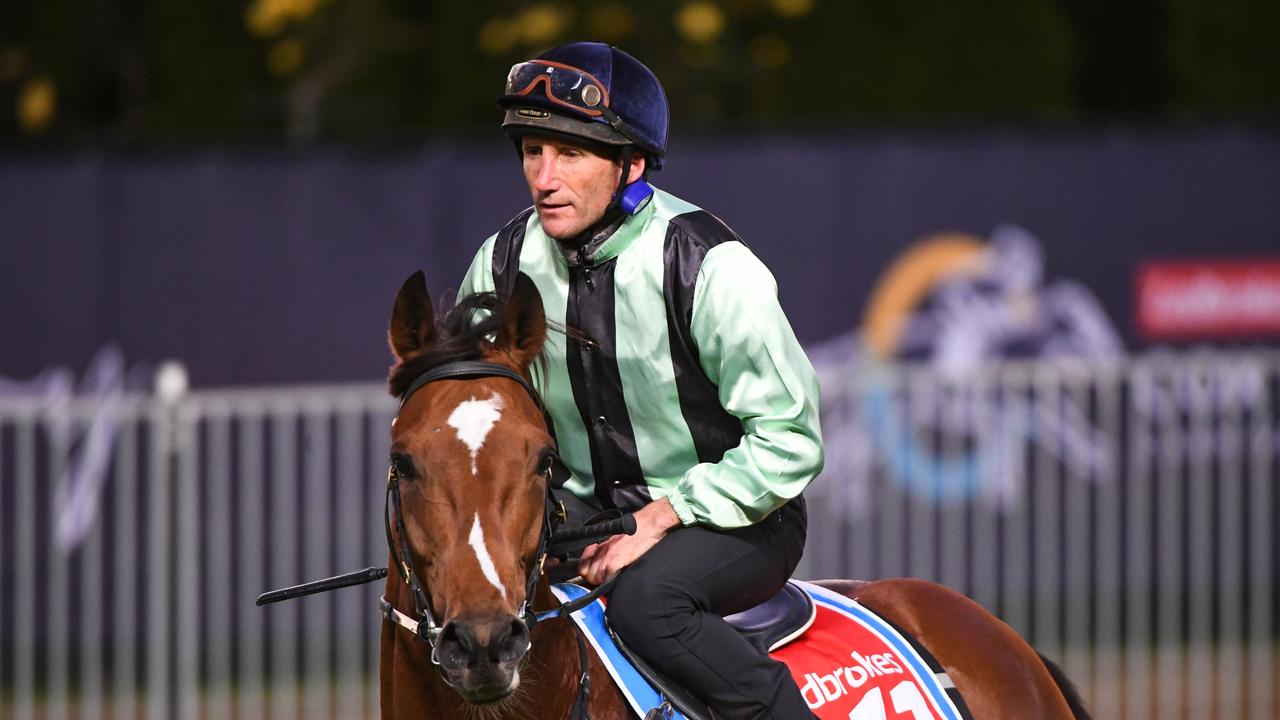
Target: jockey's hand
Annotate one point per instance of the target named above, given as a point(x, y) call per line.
point(603, 560)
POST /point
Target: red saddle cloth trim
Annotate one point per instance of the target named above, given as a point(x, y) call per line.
point(847, 671)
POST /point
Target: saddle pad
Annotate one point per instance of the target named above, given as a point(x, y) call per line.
point(852, 665)
point(640, 694)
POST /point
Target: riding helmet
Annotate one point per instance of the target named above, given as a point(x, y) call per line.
point(633, 110)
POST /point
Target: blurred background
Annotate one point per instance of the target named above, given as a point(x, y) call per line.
point(1032, 247)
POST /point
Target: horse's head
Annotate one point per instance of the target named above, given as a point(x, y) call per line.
point(472, 456)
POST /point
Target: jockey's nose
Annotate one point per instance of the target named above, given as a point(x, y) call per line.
point(467, 644)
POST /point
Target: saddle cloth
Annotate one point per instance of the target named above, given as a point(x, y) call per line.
point(849, 663)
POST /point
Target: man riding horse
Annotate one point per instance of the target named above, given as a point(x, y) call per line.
point(678, 392)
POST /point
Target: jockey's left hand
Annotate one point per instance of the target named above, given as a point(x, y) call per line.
point(603, 560)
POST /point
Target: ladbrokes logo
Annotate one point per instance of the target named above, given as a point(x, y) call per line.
point(818, 690)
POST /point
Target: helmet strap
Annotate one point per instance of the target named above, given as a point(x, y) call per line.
point(631, 197)
point(628, 199)
point(627, 155)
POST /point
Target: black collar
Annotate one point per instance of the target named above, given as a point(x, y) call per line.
point(579, 250)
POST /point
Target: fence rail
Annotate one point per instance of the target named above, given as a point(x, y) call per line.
point(1122, 517)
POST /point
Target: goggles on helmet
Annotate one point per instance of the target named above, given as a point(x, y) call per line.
point(569, 87)
point(562, 84)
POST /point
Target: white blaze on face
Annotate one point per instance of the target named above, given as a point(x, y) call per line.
point(473, 419)
point(482, 554)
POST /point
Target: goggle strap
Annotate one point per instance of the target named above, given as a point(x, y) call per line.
point(615, 121)
point(622, 127)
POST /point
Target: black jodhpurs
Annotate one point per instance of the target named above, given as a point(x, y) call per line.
point(669, 607)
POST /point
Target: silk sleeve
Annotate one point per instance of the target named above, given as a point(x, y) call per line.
point(747, 348)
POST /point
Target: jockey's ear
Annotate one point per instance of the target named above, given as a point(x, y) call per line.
point(413, 321)
point(524, 323)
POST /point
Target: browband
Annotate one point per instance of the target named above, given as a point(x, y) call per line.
point(468, 369)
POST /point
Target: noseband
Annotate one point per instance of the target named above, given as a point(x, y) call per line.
point(425, 626)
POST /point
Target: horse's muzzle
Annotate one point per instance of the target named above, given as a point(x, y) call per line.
point(481, 657)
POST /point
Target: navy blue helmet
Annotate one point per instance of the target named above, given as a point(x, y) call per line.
point(590, 91)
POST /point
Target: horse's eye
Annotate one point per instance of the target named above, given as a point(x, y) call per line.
point(544, 462)
point(403, 465)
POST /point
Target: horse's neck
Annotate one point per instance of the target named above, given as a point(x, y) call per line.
point(412, 687)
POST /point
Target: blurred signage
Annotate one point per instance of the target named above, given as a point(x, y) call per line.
point(1206, 299)
point(961, 304)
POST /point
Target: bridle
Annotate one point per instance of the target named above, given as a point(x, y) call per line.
point(424, 624)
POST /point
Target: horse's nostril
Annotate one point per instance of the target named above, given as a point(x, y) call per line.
point(456, 647)
point(511, 642)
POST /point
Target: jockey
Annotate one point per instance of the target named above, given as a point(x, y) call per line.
point(679, 392)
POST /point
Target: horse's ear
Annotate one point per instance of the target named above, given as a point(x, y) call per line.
point(413, 321)
point(524, 323)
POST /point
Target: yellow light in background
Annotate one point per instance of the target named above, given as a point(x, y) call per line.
point(285, 58)
point(497, 35)
point(610, 22)
point(542, 24)
point(268, 17)
point(37, 104)
point(792, 8)
point(265, 17)
point(770, 51)
point(700, 22)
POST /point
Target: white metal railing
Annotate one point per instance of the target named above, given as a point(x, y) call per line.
point(211, 498)
point(1121, 516)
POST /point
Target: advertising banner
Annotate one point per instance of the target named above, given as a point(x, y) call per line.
point(1209, 299)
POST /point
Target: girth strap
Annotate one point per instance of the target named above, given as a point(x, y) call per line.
point(580, 704)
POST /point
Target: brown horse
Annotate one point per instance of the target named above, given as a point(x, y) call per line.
point(470, 460)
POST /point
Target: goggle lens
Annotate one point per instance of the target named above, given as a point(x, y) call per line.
point(562, 84)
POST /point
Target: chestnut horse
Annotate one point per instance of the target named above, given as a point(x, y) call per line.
point(468, 501)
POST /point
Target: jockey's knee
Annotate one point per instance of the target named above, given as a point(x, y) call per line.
point(644, 610)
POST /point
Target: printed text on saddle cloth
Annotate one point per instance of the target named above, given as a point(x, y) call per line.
point(845, 670)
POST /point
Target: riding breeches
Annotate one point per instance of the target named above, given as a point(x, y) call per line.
point(669, 607)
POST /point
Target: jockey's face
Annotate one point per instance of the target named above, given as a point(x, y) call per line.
point(571, 184)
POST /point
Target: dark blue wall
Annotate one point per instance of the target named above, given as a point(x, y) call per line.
point(255, 266)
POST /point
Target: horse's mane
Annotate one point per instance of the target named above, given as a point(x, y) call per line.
point(463, 335)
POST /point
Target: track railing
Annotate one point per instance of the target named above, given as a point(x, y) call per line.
point(1123, 517)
